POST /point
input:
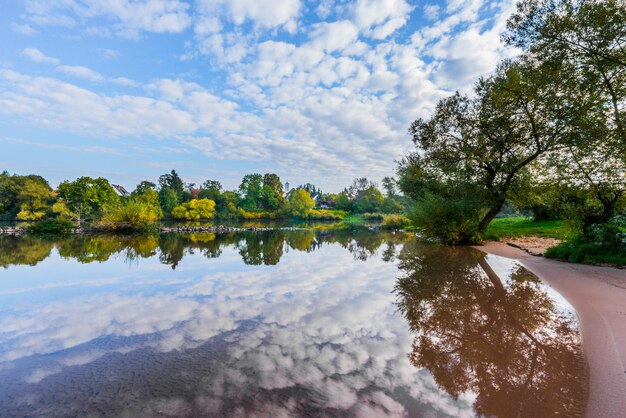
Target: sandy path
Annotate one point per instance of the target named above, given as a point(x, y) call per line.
point(599, 296)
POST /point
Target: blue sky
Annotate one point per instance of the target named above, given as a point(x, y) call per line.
point(315, 91)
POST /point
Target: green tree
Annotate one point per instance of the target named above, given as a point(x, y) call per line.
point(86, 197)
point(172, 181)
point(343, 201)
point(487, 144)
point(369, 200)
point(143, 187)
point(250, 191)
point(300, 203)
point(588, 38)
point(168, 199)
point(26, 198)
point(211, 189)
point(272, 194)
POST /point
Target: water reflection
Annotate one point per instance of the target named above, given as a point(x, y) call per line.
point(255, 248)
point(281, 324)
point(278, 323)
point(502, 338)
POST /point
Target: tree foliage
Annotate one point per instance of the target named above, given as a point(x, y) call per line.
point(86, 197)
point(300, 203)
point(195, 209)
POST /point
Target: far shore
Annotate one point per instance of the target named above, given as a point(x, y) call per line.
point(598, 294)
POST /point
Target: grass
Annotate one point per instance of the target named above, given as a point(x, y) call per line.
point(520, 226)
point(588, 253)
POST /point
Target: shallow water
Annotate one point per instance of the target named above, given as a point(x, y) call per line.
point(279, 324)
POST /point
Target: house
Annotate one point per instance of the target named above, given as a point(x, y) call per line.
point(120, 190)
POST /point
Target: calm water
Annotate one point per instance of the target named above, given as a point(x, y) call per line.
point(279, 324)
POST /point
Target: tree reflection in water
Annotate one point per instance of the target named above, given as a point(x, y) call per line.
point(255, 248)
point(503, 339)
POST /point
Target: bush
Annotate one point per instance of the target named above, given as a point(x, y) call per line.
point(450, 220)
point(132, 215)
point(395, 222)
point(52, 226)
point(327, 215)
point(373, 216)
point(195, 210)
point(588, 253)
point(244, 214)
point(599, 244)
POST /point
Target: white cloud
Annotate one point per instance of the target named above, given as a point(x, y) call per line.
point(38, 56)
point(334, 36)
point(431, 11)
point(128, 17)
point(81, 72)
point(380, 18)
point(268, 15)
point(108, 53)
point(328, 101)
point(23, 28)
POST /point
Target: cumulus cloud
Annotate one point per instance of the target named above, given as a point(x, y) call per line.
point(328, 91)
point(277, 13)
point(380, 18)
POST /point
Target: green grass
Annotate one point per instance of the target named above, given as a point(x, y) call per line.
point(588, 253)
point(526, 227)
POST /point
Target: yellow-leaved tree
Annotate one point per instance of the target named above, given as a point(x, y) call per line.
point(195, 209)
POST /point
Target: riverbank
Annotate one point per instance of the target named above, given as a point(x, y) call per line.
point(598, 294)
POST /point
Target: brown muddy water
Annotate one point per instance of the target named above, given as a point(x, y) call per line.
point(281, 323)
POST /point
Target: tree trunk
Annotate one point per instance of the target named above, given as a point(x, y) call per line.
point(489, 216)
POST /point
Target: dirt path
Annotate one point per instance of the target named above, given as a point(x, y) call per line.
point(599, 296)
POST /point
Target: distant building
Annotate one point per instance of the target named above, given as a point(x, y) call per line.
point(286, 187)
point(120, 190)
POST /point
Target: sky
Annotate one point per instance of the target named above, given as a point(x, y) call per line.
point(314, 91)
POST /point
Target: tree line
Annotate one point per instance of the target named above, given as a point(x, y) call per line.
point(544, 132)
point(31, 198)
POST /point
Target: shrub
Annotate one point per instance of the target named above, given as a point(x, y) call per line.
point(244, 214)
point(601, 244)
point(327, 215)
point(130, 215)
point(373, 216)
point(194, 210)
point(588, 253)
point(395, 222)
point(450, 220)
point(52, 226)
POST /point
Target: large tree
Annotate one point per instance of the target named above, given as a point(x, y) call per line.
point(589, 37)
point(173, 181)
point(250, 191)
point(485, 144)
point(86, 197)
point(272, 194)
point(24, 197)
